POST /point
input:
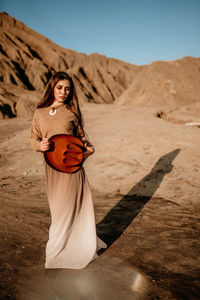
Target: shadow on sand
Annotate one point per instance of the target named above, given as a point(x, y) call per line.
point(127, 209)
point(105, 281)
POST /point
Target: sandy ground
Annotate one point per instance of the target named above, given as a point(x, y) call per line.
point(144, 178)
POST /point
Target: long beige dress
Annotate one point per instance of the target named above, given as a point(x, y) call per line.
point(72, 235)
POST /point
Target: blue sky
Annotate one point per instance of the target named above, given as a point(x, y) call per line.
point(136, 31)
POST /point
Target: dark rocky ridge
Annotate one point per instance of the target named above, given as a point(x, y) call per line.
point(28, 60)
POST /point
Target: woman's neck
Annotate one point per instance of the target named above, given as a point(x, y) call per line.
point(56, 104)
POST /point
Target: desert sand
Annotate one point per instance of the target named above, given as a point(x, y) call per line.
point(144, 178)
point(144, 174)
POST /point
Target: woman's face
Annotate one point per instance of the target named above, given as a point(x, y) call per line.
point(61, 90)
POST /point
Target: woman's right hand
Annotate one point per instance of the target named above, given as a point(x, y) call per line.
point(44, 145)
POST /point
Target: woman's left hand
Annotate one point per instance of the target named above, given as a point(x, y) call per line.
point(89, 151)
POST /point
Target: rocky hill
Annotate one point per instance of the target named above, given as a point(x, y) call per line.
point(165, 83)
point(27, 60)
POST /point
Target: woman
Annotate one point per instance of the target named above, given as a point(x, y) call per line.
point(72, 235)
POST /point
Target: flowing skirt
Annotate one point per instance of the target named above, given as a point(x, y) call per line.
point(72, 234)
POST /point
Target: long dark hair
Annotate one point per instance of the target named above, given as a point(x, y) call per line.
point(71, 102)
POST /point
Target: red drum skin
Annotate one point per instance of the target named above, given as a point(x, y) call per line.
point(65, 153)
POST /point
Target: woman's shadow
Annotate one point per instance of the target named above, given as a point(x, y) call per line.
point(126, 210)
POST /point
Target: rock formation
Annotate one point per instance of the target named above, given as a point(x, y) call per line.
point(165, 83)
point(28, 60)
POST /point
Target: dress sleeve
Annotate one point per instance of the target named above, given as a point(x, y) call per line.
point(35, 134)
point(82, 135)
